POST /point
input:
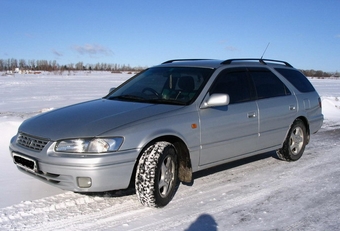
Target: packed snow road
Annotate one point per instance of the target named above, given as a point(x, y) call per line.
point(258, 193)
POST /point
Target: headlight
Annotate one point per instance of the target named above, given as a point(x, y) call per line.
point(96, 145)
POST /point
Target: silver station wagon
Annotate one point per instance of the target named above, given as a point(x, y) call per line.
point(160, 126)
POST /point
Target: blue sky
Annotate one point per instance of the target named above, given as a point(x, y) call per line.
point(305, 33)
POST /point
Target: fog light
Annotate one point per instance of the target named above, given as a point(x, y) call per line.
point(84, 182)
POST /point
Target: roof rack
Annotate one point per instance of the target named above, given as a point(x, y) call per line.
point(263, 61)
point(182, 60)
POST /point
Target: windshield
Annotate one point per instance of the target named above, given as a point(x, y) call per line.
point(170, 85)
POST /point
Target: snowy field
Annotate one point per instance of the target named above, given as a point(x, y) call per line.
point(258, 193)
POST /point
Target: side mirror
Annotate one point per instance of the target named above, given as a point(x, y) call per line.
point(216, 100)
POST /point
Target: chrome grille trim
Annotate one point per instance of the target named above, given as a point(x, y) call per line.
point(30, 142)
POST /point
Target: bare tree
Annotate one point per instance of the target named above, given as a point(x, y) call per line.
point(14, 63)
point(2, 66)
point(79, 66)
point(32, 63)
point(22, 64)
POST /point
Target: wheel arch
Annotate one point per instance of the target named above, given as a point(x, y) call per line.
point(306, 123)
point(183, 155)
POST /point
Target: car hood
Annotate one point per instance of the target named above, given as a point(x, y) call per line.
point(90, 119)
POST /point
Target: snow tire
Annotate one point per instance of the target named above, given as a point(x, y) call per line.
point(295, 143)
point(156, 175)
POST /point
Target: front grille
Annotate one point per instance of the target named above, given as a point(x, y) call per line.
point(30, 142)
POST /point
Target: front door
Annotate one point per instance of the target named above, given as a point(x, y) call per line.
point(232, 130)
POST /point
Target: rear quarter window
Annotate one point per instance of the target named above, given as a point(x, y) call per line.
point(296, 78)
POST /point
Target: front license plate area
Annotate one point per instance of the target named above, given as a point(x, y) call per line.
point(25, 162)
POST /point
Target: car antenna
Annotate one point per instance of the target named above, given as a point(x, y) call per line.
point(265, 50)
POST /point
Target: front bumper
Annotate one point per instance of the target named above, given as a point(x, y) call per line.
point(105, 172)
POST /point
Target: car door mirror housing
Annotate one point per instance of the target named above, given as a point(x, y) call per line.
point(216, 100)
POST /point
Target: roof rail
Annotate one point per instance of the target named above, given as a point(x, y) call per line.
point(182, 60)
point(263, 61)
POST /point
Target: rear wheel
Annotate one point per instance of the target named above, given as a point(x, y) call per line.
point(156, 175)
point(295, 143)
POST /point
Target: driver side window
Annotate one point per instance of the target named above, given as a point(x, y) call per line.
point(235, 83)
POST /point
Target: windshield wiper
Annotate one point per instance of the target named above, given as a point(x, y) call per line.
point(129, 98)
point(167, 101)
point(141, 99)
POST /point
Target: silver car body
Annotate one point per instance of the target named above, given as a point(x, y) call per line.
point(211, 130)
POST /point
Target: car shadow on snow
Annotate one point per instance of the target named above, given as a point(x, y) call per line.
point(233, 164)
point(205, 222)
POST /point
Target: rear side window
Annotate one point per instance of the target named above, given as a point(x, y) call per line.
point(296, 78)
point(267, 84)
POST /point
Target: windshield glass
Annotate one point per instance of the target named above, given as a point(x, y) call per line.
point(171, 85)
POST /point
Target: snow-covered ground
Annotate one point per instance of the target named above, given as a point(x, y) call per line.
point(258, 193)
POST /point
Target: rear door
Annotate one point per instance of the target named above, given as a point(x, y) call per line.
point(277, 107)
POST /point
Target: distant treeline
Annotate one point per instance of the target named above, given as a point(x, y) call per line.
point(319, 73)
point(45, 65)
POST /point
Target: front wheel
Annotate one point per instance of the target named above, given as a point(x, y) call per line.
point(156, 175)
point(295, 143)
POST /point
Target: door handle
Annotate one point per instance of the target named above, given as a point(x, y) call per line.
point(251, 114)
point(292, 107)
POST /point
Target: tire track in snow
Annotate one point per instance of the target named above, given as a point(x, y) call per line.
point(116, 214)
point(130, 215)
point(62, 208)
